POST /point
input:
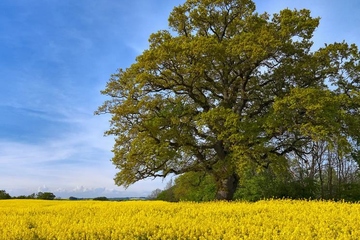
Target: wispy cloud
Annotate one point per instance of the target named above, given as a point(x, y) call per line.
point(66, 160)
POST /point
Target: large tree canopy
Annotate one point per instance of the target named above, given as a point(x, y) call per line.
point(225, 86)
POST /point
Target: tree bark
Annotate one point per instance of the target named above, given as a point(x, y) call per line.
point(226, 187)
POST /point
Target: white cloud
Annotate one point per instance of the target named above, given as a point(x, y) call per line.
point(77, 158)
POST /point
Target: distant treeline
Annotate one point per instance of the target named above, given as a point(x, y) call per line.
point(51, 196)
point(110, 199)
point(39, 195)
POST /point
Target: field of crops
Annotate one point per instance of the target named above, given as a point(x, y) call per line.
point(275, 219)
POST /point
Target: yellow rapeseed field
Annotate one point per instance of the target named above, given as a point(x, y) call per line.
point(270, 219)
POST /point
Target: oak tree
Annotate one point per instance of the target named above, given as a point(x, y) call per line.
point(225, 86)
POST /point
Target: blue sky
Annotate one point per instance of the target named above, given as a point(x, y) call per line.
point(56, 56)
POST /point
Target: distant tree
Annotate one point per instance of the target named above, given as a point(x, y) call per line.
point(21, 197)
point(168, 195)
point(73, 198)
point(194, 186)
point(191, 186)
point(45, 196)
point(32, 196)
point(154, 194)
point(4, 195)
point(101, 199)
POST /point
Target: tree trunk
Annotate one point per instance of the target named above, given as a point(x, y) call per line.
point(321, 181)
point(226, 187)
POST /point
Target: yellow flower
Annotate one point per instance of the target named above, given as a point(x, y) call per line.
point(272, 219)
